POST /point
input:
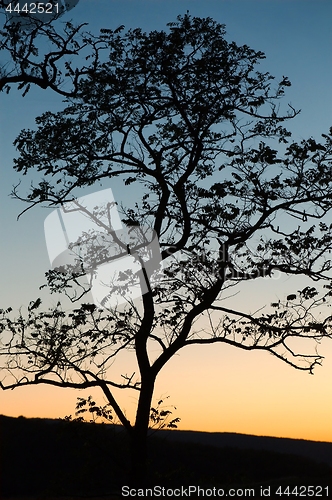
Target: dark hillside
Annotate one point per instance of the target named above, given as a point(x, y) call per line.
point(315, 450)
point(58, 458)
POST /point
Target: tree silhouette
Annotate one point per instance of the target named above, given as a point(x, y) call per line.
point(34, 52)
point(186, 117)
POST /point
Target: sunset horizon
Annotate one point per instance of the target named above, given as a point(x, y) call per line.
point(166, 206)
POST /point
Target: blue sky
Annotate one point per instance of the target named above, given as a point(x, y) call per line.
point(294, 34)
point(296, 37)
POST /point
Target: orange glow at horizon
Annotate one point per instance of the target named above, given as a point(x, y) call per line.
point(215, 389)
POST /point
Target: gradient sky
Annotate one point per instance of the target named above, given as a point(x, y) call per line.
point(215, 388)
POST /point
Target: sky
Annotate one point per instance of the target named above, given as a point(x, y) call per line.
point(215, 388)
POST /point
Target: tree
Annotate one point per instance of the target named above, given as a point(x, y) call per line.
point(185, 116)
point(34, 52)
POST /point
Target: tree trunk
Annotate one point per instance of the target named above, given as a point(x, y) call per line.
point(138, 476)
point(139, 436)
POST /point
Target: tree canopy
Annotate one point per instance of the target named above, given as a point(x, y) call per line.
point(188, 118)
point(35, 52)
